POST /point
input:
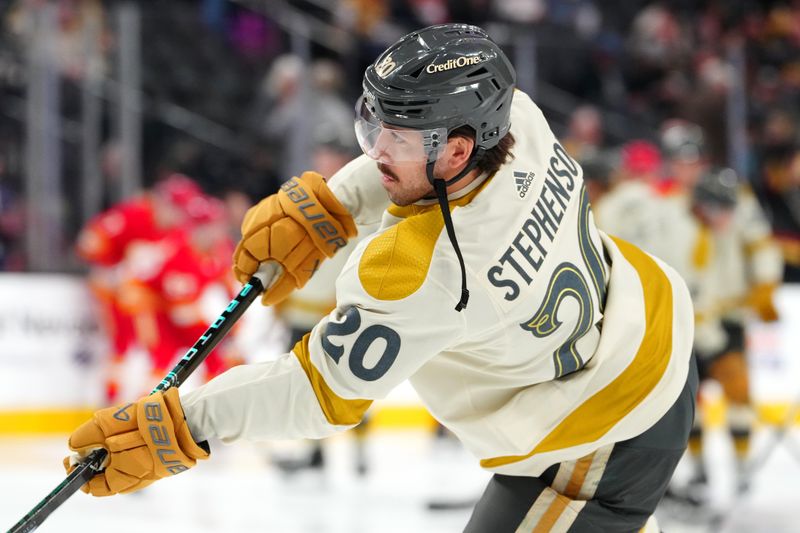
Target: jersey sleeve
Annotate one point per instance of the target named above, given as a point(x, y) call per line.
point(358, 353)
point(358, 186)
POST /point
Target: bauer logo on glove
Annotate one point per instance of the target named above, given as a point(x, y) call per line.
point(311, 211)
point(146, 441)
point(297, 228)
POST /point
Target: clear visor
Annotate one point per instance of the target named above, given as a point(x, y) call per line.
point(396, 146)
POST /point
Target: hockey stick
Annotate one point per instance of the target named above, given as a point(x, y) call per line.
point(92, 465)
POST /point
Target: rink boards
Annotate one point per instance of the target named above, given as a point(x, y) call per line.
point(53, 358)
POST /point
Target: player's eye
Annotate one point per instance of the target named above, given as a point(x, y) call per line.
point(398, 139)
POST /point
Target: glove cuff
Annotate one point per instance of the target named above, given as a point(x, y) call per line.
point(182, 432)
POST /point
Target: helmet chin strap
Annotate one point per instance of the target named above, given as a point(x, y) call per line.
point(440, 186)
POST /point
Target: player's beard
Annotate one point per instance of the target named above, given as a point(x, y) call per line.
point(409, 190)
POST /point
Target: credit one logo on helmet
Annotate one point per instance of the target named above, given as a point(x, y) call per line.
point(385, 67)
point(450, 64)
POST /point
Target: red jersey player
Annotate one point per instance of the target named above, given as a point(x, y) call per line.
point(129, 229)
point(167, 291)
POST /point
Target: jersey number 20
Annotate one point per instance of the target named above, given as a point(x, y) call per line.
point(351, 324)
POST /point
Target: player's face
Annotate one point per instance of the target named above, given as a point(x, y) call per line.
point(402, 161)
point(402, 154)
point(405, 184)
point(718, 218)
point(687, 172)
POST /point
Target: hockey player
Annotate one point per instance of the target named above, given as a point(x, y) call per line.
point(175, 293)
point(631, 209)
point(565, 365)
point(701, 257)
point(129, 229)
point(754, 258)
point(746, 267)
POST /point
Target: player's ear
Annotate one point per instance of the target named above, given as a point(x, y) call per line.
point(459, 150)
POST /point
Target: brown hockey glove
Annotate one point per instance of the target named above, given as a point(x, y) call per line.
point(297, 228)
point(761, 301)
point(146, 440)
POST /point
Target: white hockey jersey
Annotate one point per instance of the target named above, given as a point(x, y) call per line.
point(747, 254)
point(690, 248)
point(571, 339)
point(306, 306)
point(632, 211)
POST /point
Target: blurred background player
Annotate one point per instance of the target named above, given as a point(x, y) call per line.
point(748, 266)
point(778, 158)
point(630, 208)
point(585, 135)
point(132, 228)
point(710, 261)
point(754, 262)
point(685, 159)
point(176, 292)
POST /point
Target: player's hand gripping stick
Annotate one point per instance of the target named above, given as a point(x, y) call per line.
point(94, 461)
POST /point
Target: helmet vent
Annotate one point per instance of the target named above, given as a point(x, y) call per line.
point(495, 83)
point(480, 72)
point(409, 103)
point(417, 72)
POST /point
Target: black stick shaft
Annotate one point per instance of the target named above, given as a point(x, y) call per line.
point(90, 466)
point(215, 333)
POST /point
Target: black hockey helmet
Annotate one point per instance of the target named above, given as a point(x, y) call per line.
point(717, 187)
point(425, 86)
point(436, 80)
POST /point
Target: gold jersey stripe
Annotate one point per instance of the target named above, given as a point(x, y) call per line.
point(578, 476)
point(552, 514)
point(338, 411)
point(701, 253)
point(593, 418)
point(407, 211)
point(395, 263)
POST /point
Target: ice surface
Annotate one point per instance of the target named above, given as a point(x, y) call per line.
point(238, 491)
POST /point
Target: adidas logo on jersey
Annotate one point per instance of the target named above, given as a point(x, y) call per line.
point(523, 182)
